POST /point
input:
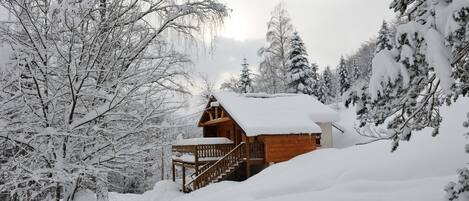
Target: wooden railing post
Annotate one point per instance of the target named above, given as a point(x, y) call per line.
point(174, 171)
point(183, 178)
point(196, 160)
point(248, 159)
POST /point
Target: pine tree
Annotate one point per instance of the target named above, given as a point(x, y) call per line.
point(245, 81)
point(321, 91)
point(326, 91)
point(427, 68)
point(343, 76)
point(300, 75)
point(384, 38)
point(355, 71)
point(315, 75)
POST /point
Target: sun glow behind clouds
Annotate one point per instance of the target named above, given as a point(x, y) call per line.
point(329, 28)
point(248, 19)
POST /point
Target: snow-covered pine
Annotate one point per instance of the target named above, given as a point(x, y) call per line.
point(344, 80)
point(414, 77)
point(316, 77)
point(88, 89)
point(459, 41)
point(361, 63)
point(460, 190)
point(245, 81)
point(355, 70)
point(321, 91)
point(274, 64)
point(301, 76)
point(384, 40)
point(427, 67)
point(326, 89)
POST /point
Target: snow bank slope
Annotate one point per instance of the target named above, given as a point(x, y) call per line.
point(162, 191)
point(348, 121)
point(418, 170)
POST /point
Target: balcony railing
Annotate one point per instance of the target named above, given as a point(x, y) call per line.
point(200, 153)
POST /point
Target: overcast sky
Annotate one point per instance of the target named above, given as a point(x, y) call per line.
point(329, 29)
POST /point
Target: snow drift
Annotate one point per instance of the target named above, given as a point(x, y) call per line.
point(417, 171)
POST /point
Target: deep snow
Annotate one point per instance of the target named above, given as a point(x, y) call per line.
point(417, 171)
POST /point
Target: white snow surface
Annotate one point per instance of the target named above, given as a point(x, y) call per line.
point(208, 140)
point(417, 171)
point(259, 114)
point(162, 191)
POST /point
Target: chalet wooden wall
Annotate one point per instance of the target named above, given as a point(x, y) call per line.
point(280, 148)
point(226, 129)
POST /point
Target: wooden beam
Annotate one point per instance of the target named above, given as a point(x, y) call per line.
point(248, 159)
point(174, 171)
point(196, 156)
point(216, 121)
point(210, 114)
point(184, 179)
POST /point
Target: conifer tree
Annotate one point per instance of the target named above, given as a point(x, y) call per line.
point(343, 76)
point(432, 60)
point(384, 38)
point(326, 87)
point(245, 81)
point(316, 77)
point(321, 91)
point(355, 71)
point(300, 75)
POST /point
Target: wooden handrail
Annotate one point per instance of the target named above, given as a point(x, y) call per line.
point(204, 150)
point(232, 158)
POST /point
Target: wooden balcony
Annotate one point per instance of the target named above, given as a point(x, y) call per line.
point(203, 153)
point(214, 159)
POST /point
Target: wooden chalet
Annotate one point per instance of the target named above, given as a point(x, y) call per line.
point(244, 133)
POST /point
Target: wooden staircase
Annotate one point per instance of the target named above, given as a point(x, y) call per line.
point(219, 170)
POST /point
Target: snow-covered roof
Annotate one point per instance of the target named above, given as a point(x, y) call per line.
point(200, 141)
point(259, 114)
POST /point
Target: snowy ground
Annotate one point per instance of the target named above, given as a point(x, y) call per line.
point(417, 171)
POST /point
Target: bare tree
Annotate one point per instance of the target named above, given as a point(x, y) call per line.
point(274, 66)
point(88, 88)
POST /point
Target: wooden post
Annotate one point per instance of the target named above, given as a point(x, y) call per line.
point(183, 178)
point(210, 114)
point(162, 163)
point(196, 160)
point(174, 171)
point(248, 158)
